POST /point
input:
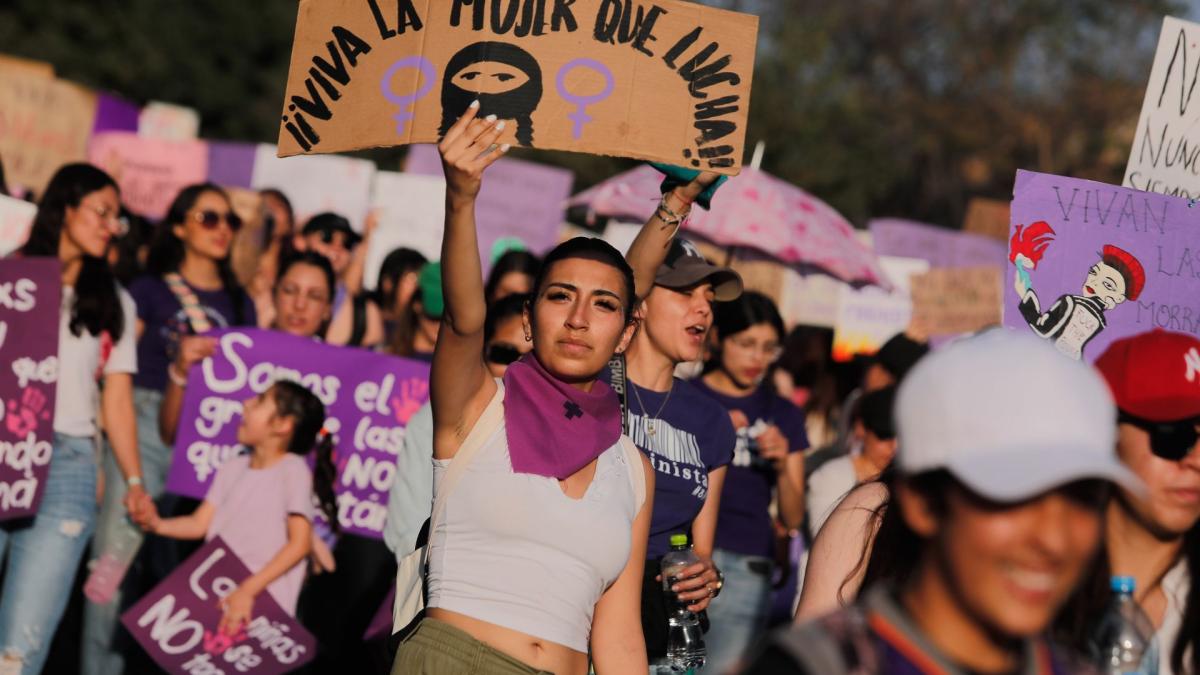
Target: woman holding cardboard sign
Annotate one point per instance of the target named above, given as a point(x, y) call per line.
point(537, 560)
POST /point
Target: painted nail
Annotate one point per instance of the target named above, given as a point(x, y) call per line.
point(490, 118)
point(500, 126)
point(505, 147)
point(475, 103)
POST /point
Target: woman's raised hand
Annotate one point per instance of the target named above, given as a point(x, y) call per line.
point(468, 148)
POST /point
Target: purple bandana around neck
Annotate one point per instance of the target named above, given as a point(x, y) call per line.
point(553, 428)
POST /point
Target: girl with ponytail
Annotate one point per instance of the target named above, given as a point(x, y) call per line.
point(261, 502)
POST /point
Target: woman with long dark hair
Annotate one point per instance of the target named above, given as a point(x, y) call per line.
point(768, 466)
point(75, 223)
point(1154, 536)
point(189, 288)
point(996, 512)
point(536, 561)
point(512, 273)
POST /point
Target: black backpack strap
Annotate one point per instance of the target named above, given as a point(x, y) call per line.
point(360, 320)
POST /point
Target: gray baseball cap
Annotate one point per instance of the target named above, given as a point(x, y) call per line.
point(685, 266)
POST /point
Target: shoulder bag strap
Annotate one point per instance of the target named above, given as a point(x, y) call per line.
point(485, 426)
point(190, 303)
point(360, 320)
point(620, 384)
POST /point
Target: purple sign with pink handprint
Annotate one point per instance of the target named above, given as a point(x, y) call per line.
point(368, 399)
point(177, 622)
point(30, 295)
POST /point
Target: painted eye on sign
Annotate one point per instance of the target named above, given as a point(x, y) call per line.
point(665, 81)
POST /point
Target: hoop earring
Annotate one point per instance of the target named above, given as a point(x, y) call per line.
point(528, 337)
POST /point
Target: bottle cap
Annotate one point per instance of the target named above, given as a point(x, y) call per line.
point(679, 540)
point(1123, 584)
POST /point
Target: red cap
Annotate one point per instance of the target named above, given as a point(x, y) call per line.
point(1154, 375)
point(1125, 262)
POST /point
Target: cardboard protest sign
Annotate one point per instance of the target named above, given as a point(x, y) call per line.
point(811, 300)
point(44, 123)
point(231, 164)
point(30, 296)
point(411, 212)
point(114, 113)
point(519, 199)
point(938, 246)
point(868, 317)
point(1166, 145)
point(317, 184)
point(168, 122)
point(149, 171)
point(177, 622)
point(988, 217)
point(1090, 263)
point(952, 301)
point(16, 217)
point(368, 399)
point(663, 80)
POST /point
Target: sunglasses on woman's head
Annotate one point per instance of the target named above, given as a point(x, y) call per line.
point(502, 354)
point(211, 219)
point(1171, 441)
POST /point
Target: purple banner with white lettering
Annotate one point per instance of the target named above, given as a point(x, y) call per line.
point(939, 246)
point(368, 399)
point(30, 296)
point(1090, 263)
point(177, 622)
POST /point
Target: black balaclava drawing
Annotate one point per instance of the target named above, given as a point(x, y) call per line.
point(516, 104)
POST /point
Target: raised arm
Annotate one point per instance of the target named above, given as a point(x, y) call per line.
point(460, 385)
point(650, 247)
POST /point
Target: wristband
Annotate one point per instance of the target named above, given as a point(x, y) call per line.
point(179, 380)
point(133, 481)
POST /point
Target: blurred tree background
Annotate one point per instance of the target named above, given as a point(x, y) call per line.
point(882, 108)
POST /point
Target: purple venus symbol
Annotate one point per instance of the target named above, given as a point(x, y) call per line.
point(580, 117)
point(405, 101)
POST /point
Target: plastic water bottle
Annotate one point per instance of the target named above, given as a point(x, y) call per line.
point(1125, 634)
point(685, 640)
point(109, 570)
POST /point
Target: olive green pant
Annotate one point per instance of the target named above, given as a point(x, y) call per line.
point(437, 648)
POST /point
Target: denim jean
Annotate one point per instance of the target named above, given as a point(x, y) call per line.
point(43, 555)
point(101, 622)
point(738, 615)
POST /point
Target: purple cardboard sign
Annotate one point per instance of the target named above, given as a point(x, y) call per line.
point(231, 164)
point(519, 199)
point(177, 622)
point(1090, 263)
point(938, 246)
point(368, 399)
point(30, 296)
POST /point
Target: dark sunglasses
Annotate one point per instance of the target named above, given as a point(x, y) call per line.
point(211, 219)
point(1171, 441)
point(502, 354)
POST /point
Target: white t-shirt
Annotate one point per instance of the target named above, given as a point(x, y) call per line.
point(826, 488)
point(78, 394)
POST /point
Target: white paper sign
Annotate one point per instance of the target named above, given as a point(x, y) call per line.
point(317, 183)
point(867, 317)
point(168, 122)
point(412, 212)
point(16, 217)
point(1166, 148)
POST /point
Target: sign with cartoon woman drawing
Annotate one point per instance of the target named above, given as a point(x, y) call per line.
point(663, 80)
point(1089, 263)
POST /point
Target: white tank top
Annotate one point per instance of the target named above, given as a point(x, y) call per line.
point(514, 550)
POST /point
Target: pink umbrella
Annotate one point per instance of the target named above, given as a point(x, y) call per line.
point(754, 211)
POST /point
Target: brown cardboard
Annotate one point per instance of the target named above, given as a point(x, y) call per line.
point(988, 217)
point(44, 123)
point(369, 73)
point(950, 301)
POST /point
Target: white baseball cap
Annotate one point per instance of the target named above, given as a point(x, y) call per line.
point(1009, 416)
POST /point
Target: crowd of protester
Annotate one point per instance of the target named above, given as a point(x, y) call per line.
point(959, 510)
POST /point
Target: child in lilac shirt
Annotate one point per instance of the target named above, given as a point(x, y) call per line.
point(260, 503)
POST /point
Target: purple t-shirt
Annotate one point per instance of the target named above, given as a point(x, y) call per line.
point(251, 511)
point(165, 322)
point(744, 522)
point(692, 436)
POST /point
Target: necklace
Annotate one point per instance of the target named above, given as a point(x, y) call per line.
point(650, 428)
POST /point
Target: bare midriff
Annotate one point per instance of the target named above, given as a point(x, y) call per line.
point(534, 652)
